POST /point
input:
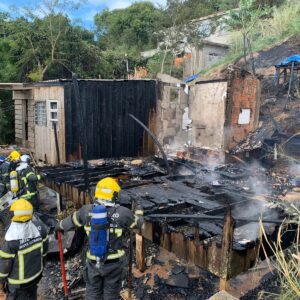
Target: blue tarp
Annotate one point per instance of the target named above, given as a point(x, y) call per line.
point(289, 60)
point(191, 78)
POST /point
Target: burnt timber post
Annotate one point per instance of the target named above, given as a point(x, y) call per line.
point(140, 252)
point(226, 250)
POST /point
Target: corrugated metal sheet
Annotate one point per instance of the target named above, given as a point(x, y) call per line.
point(110, 131)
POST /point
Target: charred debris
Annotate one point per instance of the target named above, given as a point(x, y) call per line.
point(206, 215)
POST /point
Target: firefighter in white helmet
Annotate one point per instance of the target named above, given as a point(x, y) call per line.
point(22, 253)
point(28, 181)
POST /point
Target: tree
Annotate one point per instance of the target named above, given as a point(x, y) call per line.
point(123, 34)
point(46, 45)
point(179, 33)
point(244, 20)
point(51, 30)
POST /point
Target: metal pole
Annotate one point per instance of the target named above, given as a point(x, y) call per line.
point(155, 140)
point(291, 80)
point(127, 65)
point(56, 142)
point(62, 264)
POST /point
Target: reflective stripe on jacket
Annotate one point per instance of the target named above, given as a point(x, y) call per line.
point(28, 183)
point(21, 261)
point(120, 219)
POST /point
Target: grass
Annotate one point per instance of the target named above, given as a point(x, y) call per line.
point(284, 22)
point(287, 262)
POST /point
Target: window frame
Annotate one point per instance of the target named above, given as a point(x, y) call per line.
point(53, 110)
point(40, 113)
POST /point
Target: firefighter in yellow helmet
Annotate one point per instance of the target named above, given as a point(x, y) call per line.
point(104, 222)
point(21, 255)
point(10, 164)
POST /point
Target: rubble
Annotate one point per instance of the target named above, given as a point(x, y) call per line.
point(249, 189)
point(222, 295)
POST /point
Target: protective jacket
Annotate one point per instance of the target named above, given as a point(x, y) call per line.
point(5, 168)
point(120, 219)
point(28, 183)
point(21, 255)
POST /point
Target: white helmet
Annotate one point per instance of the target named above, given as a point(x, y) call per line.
point(25, 158)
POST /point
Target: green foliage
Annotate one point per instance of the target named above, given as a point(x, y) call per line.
point(194, 9)
point(283, 21)
point(154, 63)
point(6, 118)
point(132, 26)
point(286, 262)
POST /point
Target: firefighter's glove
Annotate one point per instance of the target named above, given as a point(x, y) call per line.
point(58, 229)
point(138, 219)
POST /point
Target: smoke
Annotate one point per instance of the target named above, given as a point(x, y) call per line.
point(173, 148)
point(259, 190)
point(294, 170)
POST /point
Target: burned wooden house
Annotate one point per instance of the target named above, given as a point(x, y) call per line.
point(105, 104)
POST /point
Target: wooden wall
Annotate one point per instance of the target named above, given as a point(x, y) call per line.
point(24, 112)
point(45, 149)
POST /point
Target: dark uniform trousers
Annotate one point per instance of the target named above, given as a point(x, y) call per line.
point(105, 281)
point(28, 186)
point(29, 293)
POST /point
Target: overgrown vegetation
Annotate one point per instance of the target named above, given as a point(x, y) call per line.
point(273, 25)
point(286, 262)
point(6, 118)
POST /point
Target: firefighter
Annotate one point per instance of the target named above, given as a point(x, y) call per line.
point(10, 164)
point(2, 159)
point(28, 182)
point(22, 253)
point(105, 223)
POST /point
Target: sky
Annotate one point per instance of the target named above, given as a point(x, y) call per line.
point(86, 11)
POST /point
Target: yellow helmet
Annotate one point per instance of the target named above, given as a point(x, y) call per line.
point(107, 189)
point(22, 210)
point(14, 155)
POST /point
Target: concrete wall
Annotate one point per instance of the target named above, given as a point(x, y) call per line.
point(203, 58)
point(207, 110)
point(170, 108)
point(223, 112)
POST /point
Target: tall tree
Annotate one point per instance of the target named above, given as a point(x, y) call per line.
point(51, 28)
point(123, 34)
point(244, 20)
point(179, 32)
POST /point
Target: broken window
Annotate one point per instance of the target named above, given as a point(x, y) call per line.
point(53, 109)
point(244, 117)
point(213, 56)
point(40, 113)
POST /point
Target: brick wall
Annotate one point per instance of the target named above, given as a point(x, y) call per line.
point(243, 93)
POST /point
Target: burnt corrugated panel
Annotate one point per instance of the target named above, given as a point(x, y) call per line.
point(107, 105)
